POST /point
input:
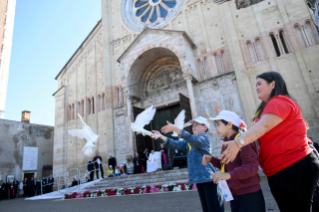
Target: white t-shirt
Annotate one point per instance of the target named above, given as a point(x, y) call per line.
point(99, 161)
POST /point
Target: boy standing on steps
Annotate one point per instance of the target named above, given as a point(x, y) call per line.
point(242, 173)
point(196, 146)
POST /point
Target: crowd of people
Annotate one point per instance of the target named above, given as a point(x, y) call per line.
point(9, 190)
point(31, 187)
point(277, 142)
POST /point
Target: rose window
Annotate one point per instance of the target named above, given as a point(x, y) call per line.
point(153, 14)
point(152, 11)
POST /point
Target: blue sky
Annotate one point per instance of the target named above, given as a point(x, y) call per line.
point(45, 36)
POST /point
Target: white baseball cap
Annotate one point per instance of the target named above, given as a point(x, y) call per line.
point(228, 116)
point(199, 119)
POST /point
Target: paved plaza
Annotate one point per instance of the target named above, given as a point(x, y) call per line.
point(158, 202)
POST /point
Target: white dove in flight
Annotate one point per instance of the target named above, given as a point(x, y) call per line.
point(179, 122)
point(143, 119)
point(85, 133)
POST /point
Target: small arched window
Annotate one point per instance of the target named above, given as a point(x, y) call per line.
point(70, 113)
point(214, 59)
point(259, 50)
point(301, 37)
point(99, 102)
point(309, 32)
point(283, 41)
point(82, 108)
point(252, 53)
point(88, 106)
point(275, 44)
point(93, 105)
point(78, 111)
point(72, 117)
point(103, 101)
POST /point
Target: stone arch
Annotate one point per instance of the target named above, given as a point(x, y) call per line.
point(162, 50)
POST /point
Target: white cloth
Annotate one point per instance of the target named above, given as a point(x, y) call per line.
point(98, 161)
point(60, 194)
point(159, 159)
point(153, 162)
point(21, 185)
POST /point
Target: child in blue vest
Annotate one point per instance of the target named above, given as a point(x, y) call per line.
point(196, 145)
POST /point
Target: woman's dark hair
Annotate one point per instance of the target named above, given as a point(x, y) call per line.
point(279, 89)
point(233, 126)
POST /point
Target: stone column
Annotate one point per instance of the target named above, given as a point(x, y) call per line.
point(280, 46)
point(129, 119)
point(189, 83)
point(305, 34)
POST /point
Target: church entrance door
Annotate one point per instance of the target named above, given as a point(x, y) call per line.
point(162, 115)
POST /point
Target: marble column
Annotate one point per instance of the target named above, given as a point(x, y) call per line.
point(189, 83)
point(129, 120)
point(280, 46)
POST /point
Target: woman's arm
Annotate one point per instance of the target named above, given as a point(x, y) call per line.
point(266, 123)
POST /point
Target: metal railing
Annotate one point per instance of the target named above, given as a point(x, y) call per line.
point(63, 180)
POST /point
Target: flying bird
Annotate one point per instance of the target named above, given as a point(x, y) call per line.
point(85, 133)
point(143, 119)
point(179, 122)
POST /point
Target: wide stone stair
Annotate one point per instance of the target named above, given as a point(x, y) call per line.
point(154, 178)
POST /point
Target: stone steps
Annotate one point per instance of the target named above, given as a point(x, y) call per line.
point(159, 177)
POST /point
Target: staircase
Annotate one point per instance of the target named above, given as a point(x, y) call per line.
point(153, 178)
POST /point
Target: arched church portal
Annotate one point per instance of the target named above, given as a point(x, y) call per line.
point(156, 78)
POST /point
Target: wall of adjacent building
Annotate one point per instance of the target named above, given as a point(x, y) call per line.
point(17, 135)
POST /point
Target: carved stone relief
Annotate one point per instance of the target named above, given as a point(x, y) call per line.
point(240, 4)
point(269, 10)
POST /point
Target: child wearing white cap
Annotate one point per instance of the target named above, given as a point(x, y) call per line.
point(196, 145)
point(241, 174)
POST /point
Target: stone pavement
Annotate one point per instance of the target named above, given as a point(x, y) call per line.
point(158, 202)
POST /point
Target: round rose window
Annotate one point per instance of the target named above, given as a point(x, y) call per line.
point(137, 14)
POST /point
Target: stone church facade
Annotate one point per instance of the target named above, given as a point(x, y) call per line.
point(181, 54)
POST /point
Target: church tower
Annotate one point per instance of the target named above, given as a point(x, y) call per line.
point(7, 12)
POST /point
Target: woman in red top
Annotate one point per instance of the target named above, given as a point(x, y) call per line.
point(284, 155)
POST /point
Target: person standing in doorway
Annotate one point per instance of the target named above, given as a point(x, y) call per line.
point(91, 170)
point(51, 182)
point(137, 161)
point(25, 187)
point(112, 161)
point(98, 165)
point(15, 186)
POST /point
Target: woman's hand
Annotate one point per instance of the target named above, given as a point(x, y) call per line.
point(206, 159)
point(170, 128)
point(218, 176)
point(230, 152)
